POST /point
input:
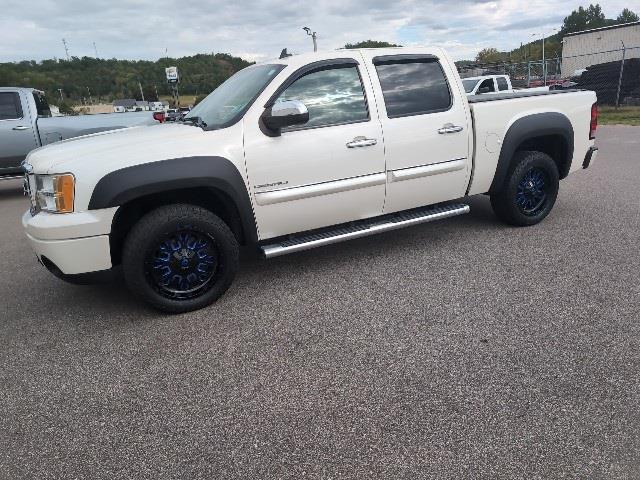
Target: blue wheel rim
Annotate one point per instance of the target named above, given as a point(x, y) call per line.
point(183, 264)
point(532, 192)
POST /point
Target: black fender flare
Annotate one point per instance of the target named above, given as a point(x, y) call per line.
point(130, 183)
point(525, 128)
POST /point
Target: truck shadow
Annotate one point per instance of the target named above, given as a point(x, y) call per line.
point(10, 188)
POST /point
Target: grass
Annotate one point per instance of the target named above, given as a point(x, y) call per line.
point(621, 116)
point(184, 99)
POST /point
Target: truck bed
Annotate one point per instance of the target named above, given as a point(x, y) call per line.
point(517, 94)
point(493, 115)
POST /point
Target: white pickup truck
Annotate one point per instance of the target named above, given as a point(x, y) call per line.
point(293, 154)
point(487, 84)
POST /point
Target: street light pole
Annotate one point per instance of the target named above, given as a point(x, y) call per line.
point(544, 60)
point(313, 37)
point(544, 63)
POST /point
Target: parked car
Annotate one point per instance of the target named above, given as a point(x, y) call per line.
point(26, 123)
point(487, 84)
point(293, 154)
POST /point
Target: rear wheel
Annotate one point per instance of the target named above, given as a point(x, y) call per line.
point(180, 258)
point(529, 191)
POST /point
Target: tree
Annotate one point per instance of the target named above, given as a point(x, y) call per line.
point(584, 19)
point(489, 55)
point(627, 16)
point(371, 44)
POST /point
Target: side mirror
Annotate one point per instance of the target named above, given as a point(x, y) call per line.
point(285, 114)
point(483, 90)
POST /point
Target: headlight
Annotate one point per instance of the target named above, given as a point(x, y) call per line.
point(54, 193)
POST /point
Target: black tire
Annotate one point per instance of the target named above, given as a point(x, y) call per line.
point(529, 191)
point(180, 258)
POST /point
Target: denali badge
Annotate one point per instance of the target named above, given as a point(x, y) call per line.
point(275, 184)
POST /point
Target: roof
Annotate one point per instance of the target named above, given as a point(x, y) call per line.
point(610, 27)
point(125, 102)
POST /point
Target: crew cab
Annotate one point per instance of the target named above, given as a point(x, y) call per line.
point(487, 84)
point(26, 123)
point(293, 154)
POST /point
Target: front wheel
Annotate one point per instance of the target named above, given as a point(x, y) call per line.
point(180, 258)
point(529, 191)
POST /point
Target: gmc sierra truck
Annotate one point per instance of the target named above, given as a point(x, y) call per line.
point(293, 154)
point(26, 123)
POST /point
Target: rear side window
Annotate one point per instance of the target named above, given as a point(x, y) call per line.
point(10, 106)
point(332, 96)
point(41, 104)
point(487, 85)
point(502, 83)
point(413, 88)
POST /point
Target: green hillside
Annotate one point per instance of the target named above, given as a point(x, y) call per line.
point(109, 79)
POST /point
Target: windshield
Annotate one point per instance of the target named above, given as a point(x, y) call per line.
point(469, 84)
point(227, 103)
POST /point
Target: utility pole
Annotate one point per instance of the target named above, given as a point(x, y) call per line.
point(95, 49)
point(624, 51)
point(141, 93)
point(90, 99)
point(313, 37)
point(61, 98)
point(66, 48)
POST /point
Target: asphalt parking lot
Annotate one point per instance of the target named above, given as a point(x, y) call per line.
point(458, 349)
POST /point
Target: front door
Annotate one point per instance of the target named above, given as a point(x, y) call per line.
point(426, 129)
point(328, 171)
point(17, 137)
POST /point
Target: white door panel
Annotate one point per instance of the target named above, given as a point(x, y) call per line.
point(319, 175)
point(427, 154)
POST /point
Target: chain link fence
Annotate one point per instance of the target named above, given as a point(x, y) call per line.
point(614, 74)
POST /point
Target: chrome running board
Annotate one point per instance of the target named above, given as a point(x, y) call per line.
point(363, 229)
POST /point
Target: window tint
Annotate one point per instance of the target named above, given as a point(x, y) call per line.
point(488, 83)
point(9, 106)
point(502, 83)
point(332, 96)
point(413, 88)
point(42, 106)
point(469, 84)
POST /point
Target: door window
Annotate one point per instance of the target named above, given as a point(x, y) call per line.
point(10, 106)
point(333, 96)
point(413, 88)
point(502, 83)
point(487, 85)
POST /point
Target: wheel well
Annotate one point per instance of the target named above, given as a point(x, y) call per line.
point(212, 199)
point(553, 145)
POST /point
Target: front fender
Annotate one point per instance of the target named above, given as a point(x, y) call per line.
point(122, 186)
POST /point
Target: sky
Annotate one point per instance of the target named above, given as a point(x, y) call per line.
point(259, 30)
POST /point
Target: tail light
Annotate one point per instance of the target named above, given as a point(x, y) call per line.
point(159, 116)
point(594, 121)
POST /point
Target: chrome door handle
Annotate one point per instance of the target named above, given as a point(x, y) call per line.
point(449, 128)
point(361, 142)
point(20, 127)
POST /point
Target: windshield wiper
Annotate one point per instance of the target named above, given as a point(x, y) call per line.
point(197, 121)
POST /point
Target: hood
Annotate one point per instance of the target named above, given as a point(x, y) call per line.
point(115, 149)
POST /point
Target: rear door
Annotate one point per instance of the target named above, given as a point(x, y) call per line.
point(426, 129)
point(331, 169)
point(17, 137)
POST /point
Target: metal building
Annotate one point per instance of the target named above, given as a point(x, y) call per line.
point(599, 45)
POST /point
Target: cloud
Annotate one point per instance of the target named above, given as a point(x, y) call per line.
point(257, 30)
